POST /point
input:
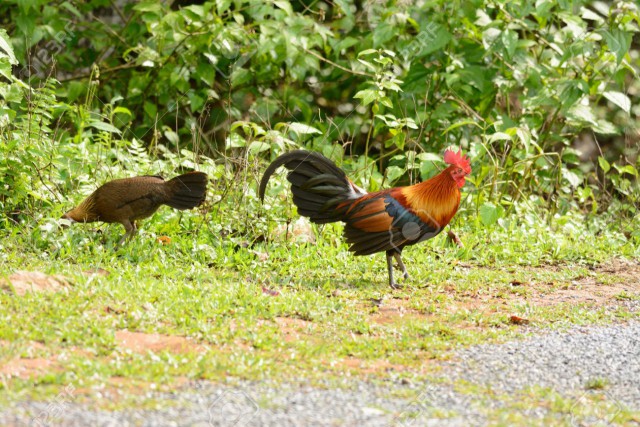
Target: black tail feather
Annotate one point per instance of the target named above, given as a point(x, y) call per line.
point(188, 190)
point(318, 185)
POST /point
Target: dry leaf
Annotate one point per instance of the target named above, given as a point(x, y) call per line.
point(270, 292)
point(455, 239)
point(109, 309)
point(262, 256)
point(299, 231)
point(164, 240)
point(377, 302)
point(519, 320)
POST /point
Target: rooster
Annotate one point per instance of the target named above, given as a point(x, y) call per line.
point(386, 220)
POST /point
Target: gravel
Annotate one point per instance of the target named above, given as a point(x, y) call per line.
point(206, 404)
point(567, 363)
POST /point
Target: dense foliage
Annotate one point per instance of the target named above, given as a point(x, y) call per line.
point(543, 95)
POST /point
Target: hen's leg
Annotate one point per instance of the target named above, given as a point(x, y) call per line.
point(130, 228)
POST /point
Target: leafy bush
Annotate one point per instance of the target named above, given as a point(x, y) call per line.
point(543, 95)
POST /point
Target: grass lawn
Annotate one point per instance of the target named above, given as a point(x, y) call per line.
point(204, 306)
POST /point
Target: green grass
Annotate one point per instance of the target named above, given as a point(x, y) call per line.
point(323, 324)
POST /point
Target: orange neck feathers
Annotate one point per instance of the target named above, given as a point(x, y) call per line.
point(435, 200)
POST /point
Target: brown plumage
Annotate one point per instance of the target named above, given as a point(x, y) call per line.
point(130, 199)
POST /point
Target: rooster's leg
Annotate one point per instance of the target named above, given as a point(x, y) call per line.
point(401, 265)
point(390, 256)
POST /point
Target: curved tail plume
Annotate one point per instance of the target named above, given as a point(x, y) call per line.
point(318, 185)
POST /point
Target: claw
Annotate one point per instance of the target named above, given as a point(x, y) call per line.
point(394, 254)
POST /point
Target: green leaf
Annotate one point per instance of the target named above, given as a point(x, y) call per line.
point(367, 52)
point(196, 101)
point(240, 76)
point(500, 136)
point(524, 135)
point(5, 45)
point(149, 6)
point(604, 164)
point(222, 6)
point(626, 169)
point(589, 15)
point(461, 123)
point(300, 128)
point(570, 156)
point(429, 157)
point(575, 25)
point(172, 137)
point(397, 140)
point(605, 127)
point(383, 33)
point(258, 147)
point(489, 36)
point(386, 102)
point(11, 93)
point(510, 40)
point(75, 90)
point(5, 67)
point(432, 38)
point(394, 172)
point(620, 99)
point(71, 8)
point(582, 114)
point(367, 96)
point(618, 41)
point(482, 19)
point(284, 5)
point(235, 141)
point(572, 177)
point(106, 127)
point(122, 110)
point(490, 213)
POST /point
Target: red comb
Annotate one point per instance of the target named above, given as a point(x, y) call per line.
point(458, 159)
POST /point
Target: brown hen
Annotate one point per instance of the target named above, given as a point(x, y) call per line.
point(131, 199)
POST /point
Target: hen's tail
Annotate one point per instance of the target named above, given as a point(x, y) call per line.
point(318, 185)
point(188, 190)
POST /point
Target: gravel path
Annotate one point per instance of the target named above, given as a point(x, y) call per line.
point(563, 362)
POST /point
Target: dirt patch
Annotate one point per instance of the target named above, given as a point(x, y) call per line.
point(29, 365)
point(33, 281)
point(623, 269)
point(140, 342)
point(578, 292)
point(366, 367)
point(31, 347)
point(293, 328)
point(393, 309)
point(605, 285)
point(28, 368)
